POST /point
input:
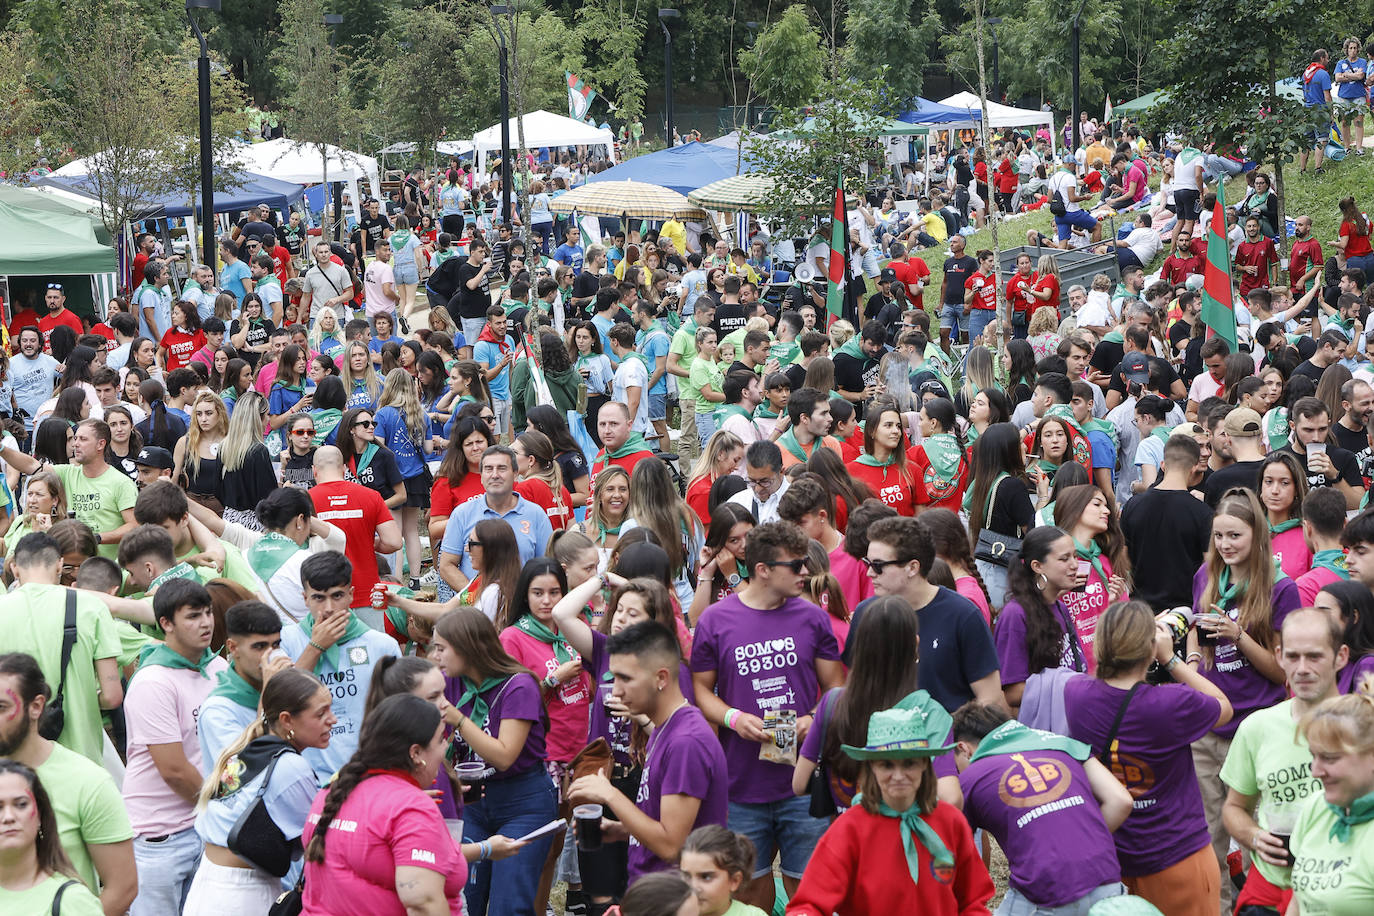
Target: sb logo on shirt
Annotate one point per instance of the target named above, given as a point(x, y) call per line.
point(1032, 781)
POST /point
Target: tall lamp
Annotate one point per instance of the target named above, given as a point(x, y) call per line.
point(207, 159)
point(666, 16)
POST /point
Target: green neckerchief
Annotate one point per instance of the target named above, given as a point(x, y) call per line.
point(354, 629)
point(913, 827)
point(269, 553)
point(1334, 560)
point(179, 571)
point(1276, 427)
point(765, 413)
point(399, 238)
point(360, 462)
point(726, 411)
point(1345, 325)
point(945, 457)
point(852, 348)
point(604, 531)
point(563, 652)
point(1361, 811)
point(633, 444)
point(1162, 432)
point(191, 286)
point(143, 286)
point(784, 353)
point(642, 357)
point(481, 714)
point(1228, 591)
point(326, 418)
point(788, 442)
point(1104, 427)
point(269, 280)
point(1093, 554)
point(1065, 413)
point(1281, 527)
point(1113, 337)
point(869, 461)
point(1012, 737)
point(162, 657)
point(234, 688)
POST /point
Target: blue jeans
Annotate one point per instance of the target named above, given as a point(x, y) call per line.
point(1018, 325)
point(545, 233)
point(952, 317)
point(511, 807)
point(706, 425)
point(165, 872)
point(782, 826)
point(978, 319)
point(995, 578)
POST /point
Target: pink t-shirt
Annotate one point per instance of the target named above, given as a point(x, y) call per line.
point(567, 705)
point(1313, 581)
point(386, 823)
point(267, 374)
point(970, 589)
point(855, 584)
point(1086, 606)
point(1294, 557)
point(161, 707)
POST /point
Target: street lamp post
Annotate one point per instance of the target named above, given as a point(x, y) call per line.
point(207, 159)
point(993, 22)
point(1077, 37)
point(501, 10)
point(332, 21)
point(664, 17)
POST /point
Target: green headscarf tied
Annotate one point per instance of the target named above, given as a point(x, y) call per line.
point(1093, 554)
point(1227, 590)
point(163, 657)
point(1361, 811)
point(354, 629)
point(481, 713)
point(563, 652)
point(633, 444)
point(945, 456)
point(1281, 527)
point(1334, 560)
point(913, 827)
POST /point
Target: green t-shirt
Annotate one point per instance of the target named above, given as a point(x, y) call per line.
point(736, 337)
point(1331, 878)
point(100, 501)
point(88, 807)
point(1269, 758)
point(684, 344)
point(705, 371)
point(77, 901)
point(785, 353)
point(739, 908)
point(236, 567)
point(31, 619)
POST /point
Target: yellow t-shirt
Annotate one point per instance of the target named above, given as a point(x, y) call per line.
point(935, 226)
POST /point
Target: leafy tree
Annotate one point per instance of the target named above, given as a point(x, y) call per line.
point(546, 47)
point(244, 34)
point(24, 100)
point(885, 42)
point(613, 63)
point(786, 64)
point(421, 43)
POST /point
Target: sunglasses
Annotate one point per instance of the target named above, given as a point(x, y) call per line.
point(474, 544)
point(368, 423)
point(796, 566)
point(487, 418)
point(879, 565)
point(56, 286)
point(302, 432)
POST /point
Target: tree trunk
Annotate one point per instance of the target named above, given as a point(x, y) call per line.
point(1282, 227)
point(1004, 308)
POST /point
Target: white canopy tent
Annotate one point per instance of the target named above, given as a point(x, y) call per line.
point(444, 148)
point(999, 115)
point(301, 163)
point(543, 128)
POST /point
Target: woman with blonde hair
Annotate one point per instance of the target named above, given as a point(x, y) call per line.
point(198, 452)
point(360, 379)
point(327, 336)
point(608, 510)
point(535, 464)
point(403, 428)
point(246, 465)
point(722, 455)
point(979, 375)
point(840, 333)
point(1043, 332)
point(655, 504)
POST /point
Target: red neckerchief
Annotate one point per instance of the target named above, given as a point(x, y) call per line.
point(1311, 71)
point(502, 343)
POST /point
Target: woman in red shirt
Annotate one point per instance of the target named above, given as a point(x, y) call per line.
point(883, 466)
point(1354, 239)
point(722, 456)
point(459, 478)
point(940, 466)
point(1046, 287)
point(183, 339)
point(541, 481)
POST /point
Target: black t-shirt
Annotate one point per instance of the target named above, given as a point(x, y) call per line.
point(585, 287)
point(1107, 356)
point(960, 644)
point(372, 230)
point(1343, 467)
point(258, 333)
point(299, 470)
point(380, 473)
point(1013, 513)
point(1167, 533)
point(573, 465)
point(963, 172)
point(958, 270)
point(472, 303)
point(854, 374)
point(255, 229)
point(1307, 368)
point(1241, 474)
point(674, 265)
point(796, 374)
point(729, 317)
point(1179, 332)
point(291, 239)
point(1356, 442)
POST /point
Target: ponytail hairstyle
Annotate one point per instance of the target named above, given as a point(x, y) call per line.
point(393, 675)
point(951, 541)
point(1044, 629)
point(822, 585)
point(388, 733)
point(942, 411)
point(1125, 638)
point(540, 448)
point(733, 853)
point(288, 691)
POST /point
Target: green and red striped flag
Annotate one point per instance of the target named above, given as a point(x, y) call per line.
point(834, 288)
point(580, 96)
point(1218, 315)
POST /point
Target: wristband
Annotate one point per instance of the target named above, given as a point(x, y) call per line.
point(1193, 657)
point(316, 646)
point(551, 681)
point(731, 716)
point(483, 851)
point(1172, 663)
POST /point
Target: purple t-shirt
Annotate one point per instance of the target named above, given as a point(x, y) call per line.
point(1037, 801)
point(1246, 688)
point(517, 698)
point(763, 660)
point(1357, 676)
point(1013, 654)
point(1154, 762)
point(684, 759)
point(602, 724)
point(844, 790)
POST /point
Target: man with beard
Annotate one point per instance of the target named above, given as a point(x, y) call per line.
point(1351, 430)
point(1305, 260)
point(32, 374)
point(92, 825)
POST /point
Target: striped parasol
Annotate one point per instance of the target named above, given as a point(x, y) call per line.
point(626, 198)
point(738, 192)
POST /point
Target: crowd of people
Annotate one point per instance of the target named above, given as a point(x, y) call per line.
point(630, 570)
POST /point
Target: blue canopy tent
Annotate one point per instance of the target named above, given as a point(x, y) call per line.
point(680, 168)
point(928, 112)
point(247, 191)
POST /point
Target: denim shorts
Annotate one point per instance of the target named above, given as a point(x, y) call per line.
point(406, 274)
point(1081, 219)
point(782, 826)
point(952, 317)
point(658, 405)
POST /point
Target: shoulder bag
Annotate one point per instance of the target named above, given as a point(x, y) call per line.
point(57, 897)
point(822, 802)
point(256, 838)
point(1110, 756)
point(54, 718)
point(992, 547)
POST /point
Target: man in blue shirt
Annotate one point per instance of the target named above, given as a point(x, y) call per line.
point(154, 304)
point(1351, 97)
point(570, 252)
point(1316, 92)
point(494, 353)
point(527, 519)
point(652, 342)
point(236, 277)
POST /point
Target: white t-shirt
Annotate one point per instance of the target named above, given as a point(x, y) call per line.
point(632, 374)
point(1097, 311)
point(1203, 387)
point(1064, 183)
point(1144, 243)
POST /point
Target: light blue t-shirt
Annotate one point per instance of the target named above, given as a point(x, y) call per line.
point(231, 277)
point(347, 685)
point(654, 343)
point(695, 282)
point(404, 256)
point(539, 209)
point(1150, 451)
point(1104, 452)
point(32, 380)
point(220, 722)
point(603, 327)
point(1351, 91)
point(528, 520)
point(570, 255)
point(161, 304)
point(451, 200)
point(488, 353)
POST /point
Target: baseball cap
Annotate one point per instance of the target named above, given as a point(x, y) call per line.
point(887, 275)
point(155, 457)
point(1243, 422)
point(1135, 368)
point(1068, 159)
point(1188, 429)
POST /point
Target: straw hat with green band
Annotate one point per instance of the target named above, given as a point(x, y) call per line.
point(917, 726)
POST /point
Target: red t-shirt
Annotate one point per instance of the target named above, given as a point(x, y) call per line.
point(358, 512)
point(627, 462)
point(181, 346)
point(1259, 254)
point(1005, 177)
point(1177, 269)
point(443, 499)
point(853, 447)
point(136, 271)
point(541, 494)
point(980, 172)
point(699, 498)
point(1305, 255)
point(65, 317)
point(889, 485)
point(986, 286)
point(107, 332)
point(909, 273)
point(1047, 282)
point(281, 260)
point(1018, 292)
point(928, 491)
point(1357, 244)
point(23, 319)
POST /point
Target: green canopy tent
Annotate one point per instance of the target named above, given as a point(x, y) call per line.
point(1136, 106)
point(41, 245)
point(31, 199)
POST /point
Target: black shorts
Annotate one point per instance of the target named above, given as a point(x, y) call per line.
point(1187, 204)
point(418, 490)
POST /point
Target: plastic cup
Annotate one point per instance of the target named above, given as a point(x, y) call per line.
point(455, 829)
point(473, 776)
point(588, 825)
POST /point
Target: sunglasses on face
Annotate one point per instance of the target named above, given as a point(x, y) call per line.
point(368, 423)
point(796, 566)
point(474, 544)
point(879, 565)
point(487, 418)
point(302, 432)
